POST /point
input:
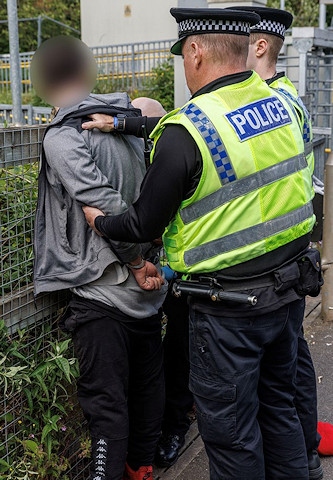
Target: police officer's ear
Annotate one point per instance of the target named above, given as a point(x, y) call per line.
point(261, 47)
point(195, 51)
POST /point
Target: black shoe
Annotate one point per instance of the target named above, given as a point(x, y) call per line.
point(315, 468)
point(167, 451)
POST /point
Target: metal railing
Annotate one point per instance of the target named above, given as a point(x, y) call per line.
point(319, 142)
point(31, 115)
point(129, 65)
point(25, 59)
point(126, 65)
point(319, 90)
point(290, 65)
point(318, 86)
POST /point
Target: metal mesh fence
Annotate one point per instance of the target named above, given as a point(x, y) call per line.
point(32, 348)
point(18, 195)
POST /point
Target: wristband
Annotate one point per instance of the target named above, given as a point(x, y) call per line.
point(138, 266)
point(119, 123)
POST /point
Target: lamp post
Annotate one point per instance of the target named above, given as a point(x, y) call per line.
point(15, 68)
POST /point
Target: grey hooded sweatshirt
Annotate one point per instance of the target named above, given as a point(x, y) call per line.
point(79, 168)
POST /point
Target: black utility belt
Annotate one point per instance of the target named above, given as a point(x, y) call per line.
point(303, 274)
point(210, 289)
point(235, 285)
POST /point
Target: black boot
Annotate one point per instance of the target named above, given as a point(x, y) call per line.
point(315, 467)
point(168, 448)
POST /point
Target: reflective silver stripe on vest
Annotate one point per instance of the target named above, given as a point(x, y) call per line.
point(308, 148)
point(213, 141)
point(242, 186)
point(247, 236)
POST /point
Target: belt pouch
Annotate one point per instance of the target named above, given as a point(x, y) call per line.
point(311, 278)
point(286, 277)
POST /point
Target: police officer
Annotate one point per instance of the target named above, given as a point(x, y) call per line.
point(230, 182)
point(266, 40)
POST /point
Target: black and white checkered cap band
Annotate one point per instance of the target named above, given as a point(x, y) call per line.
point(210, 25)
point(270, 26)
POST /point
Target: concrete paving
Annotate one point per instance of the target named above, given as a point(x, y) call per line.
point(320, 339)
point(193, 462)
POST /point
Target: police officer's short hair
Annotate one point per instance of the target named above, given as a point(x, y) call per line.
point(223, 47)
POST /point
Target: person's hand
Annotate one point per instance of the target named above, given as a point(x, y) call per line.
point(158, 242)
point(148, 277)
point(103, 122)
point(91, 213)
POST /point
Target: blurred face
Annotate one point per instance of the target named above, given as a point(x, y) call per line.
point(71, 93)
point(63, 71)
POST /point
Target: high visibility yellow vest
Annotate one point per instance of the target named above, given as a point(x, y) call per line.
point(255, 190)
point(287, 88)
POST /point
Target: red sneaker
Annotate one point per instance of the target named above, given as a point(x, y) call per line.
point(143, 473)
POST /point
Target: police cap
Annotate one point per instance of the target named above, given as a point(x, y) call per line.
point(273, 20)
point(194, 21)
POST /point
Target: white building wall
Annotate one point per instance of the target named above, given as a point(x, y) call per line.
point(111, 22)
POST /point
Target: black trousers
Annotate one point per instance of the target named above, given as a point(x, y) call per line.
point(121, 383)
point(306, 394)
point(178, 398)
point(243, 376)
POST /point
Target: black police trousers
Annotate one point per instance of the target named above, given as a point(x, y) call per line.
point(306, 394)
point(121, 384)
point(243, 377)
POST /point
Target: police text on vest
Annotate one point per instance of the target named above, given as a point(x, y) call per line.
point(258, 117)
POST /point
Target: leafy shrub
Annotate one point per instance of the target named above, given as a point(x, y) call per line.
point(37, 414)
point(160, 85)
point(18, 197)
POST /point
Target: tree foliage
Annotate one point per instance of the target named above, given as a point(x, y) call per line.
point(65, 11)
point(161, 85)
point(306, 12)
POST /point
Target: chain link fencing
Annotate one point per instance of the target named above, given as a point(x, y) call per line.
point(36, 359)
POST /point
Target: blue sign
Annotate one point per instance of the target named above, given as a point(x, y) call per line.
point(258, 117)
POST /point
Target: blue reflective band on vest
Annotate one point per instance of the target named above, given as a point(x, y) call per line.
point(213, 140)
point(306, 123)
point(258, 117)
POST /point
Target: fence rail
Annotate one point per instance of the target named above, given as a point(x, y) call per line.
point(31, 115)
point(319, 86)
point(128, 65)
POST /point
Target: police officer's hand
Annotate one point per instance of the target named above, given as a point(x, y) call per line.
point(148, 277)
point(91, 213)
point(103, 122)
